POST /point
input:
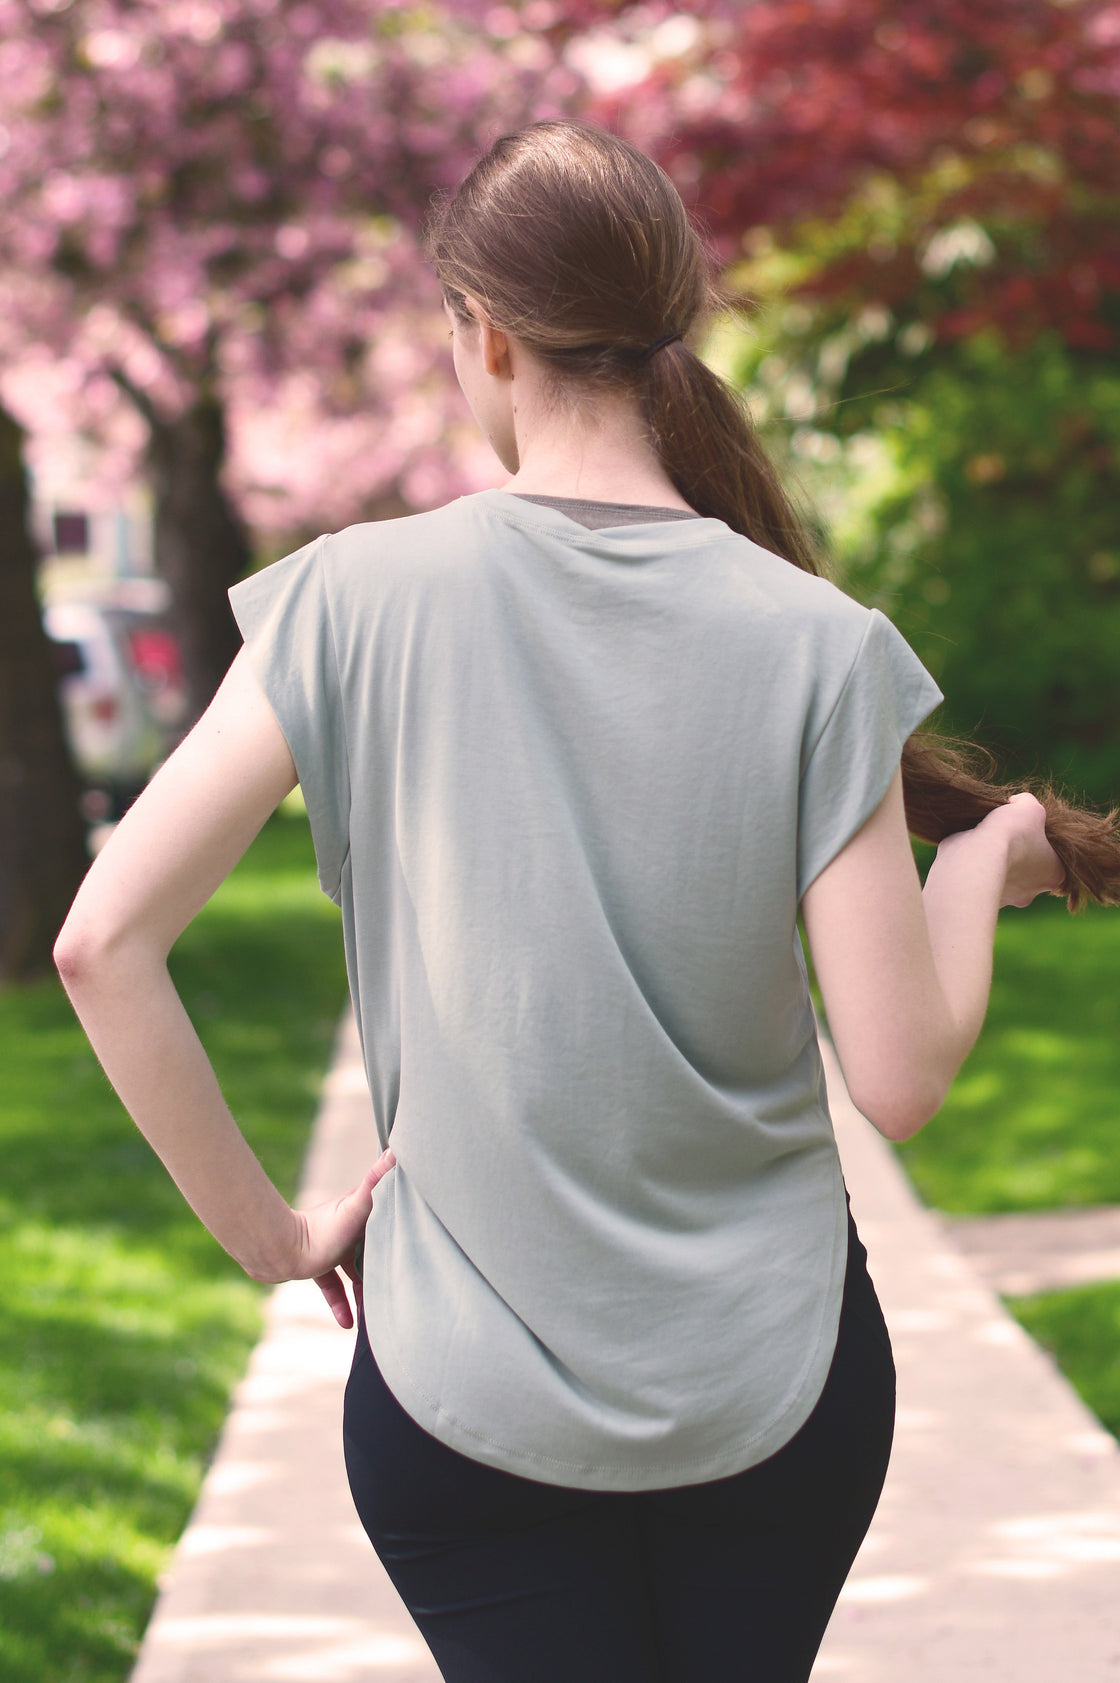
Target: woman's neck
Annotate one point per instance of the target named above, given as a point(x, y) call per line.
point(598, 450)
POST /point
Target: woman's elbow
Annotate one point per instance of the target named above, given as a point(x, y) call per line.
point(85, 950)
point(76, 952)
point(898, 1109)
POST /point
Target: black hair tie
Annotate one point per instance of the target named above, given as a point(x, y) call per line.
point(659, 344)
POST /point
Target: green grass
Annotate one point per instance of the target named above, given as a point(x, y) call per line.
point(1081, 1329)
point(1033, 1120)
point(122, 1325)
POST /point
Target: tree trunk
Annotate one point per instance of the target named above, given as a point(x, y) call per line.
point(201, 546)
point(42, 839)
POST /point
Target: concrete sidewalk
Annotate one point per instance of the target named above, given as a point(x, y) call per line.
point(994, 1558)
point(995, 1553)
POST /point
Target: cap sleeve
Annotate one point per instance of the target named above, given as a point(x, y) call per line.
point(285, 619)
point(850, 761)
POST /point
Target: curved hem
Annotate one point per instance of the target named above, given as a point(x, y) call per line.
point(786, 1421)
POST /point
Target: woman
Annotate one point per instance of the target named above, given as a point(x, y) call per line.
point(574, 753)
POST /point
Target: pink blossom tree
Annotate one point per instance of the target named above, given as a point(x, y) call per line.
point(222, 194)
point(208, 212)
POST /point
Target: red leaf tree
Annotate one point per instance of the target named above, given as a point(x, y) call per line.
point(787, 113)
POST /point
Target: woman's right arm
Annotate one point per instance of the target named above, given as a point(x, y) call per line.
point(164, 860)
point(905, 972)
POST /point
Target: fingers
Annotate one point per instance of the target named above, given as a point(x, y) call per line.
point(361, 1196)
point(379, 1169)
point(376, 1172)
point(334, 1291)
point(331, 1231)
point(1033, 867)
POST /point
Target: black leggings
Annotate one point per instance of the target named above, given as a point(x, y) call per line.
point(513, 1581)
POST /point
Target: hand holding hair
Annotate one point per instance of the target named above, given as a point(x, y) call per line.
point(946, 790)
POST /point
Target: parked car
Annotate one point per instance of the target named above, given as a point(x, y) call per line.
point(121, 688)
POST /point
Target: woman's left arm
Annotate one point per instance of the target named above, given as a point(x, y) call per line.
point(157, 870)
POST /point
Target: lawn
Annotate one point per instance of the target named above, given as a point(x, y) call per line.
point(1082, 1329)
point(122, 1325)
point(1033, 1121)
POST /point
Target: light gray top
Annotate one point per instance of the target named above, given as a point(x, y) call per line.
point(568, 786)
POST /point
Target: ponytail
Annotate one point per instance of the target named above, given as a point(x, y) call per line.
point(716, 460)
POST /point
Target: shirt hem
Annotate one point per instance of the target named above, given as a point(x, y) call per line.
point(800, 1401)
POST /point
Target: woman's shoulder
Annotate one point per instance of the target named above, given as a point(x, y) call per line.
point(408, 536)
point(807, 604)
point(373, 565)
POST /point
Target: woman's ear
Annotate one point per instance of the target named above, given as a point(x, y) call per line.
point(495, 343)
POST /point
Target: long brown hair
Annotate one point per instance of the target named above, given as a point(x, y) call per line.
point(579, 246)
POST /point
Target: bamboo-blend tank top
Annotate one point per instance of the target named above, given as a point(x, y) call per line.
point(568, 787)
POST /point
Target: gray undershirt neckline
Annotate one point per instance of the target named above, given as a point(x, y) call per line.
point(597, 515)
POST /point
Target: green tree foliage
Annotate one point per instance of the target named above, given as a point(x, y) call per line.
point(986, 525)
point(967, 487)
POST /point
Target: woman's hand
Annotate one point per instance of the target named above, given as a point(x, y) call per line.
point(327, 1238)
point(1019, 827)
point(1033, 867)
